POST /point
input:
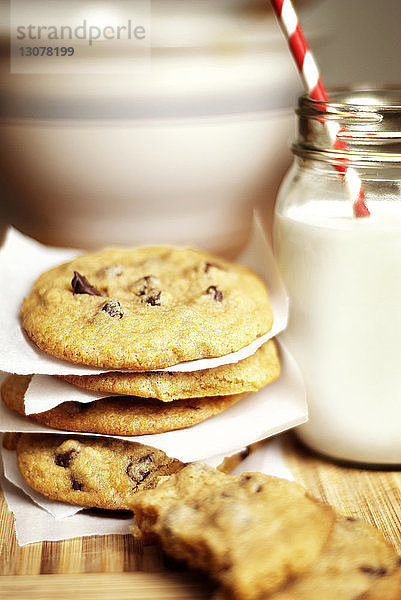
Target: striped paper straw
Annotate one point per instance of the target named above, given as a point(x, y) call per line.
point(307, 67)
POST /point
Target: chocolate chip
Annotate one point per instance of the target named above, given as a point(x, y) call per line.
point(113, 308)
point(76, 485)
point(153, 298)
point(244, 479)
point(146, 284)
point(217, 294)
point(146, 289)
point(375, 571)
point(139, 469)
point(209, 266)
point(65, 459)
point(80, 285)
point(351, 519)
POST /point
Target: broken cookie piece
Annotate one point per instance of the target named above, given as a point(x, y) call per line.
point(252, 533)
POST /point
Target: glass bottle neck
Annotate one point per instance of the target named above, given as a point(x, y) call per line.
point(357, 127)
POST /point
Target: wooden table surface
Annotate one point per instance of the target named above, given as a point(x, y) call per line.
point(120, 568)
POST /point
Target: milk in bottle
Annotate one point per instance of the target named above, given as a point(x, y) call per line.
point(343, 278)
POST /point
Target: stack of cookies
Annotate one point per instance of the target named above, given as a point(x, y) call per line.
point(262, 537)
point(130, 313)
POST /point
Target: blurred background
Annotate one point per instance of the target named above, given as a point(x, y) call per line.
point(181, 151)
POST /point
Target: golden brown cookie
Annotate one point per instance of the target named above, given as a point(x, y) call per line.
point(247, 375)
point(252, 533)
point(90, 471)
point(118, 415)
point(145, 308)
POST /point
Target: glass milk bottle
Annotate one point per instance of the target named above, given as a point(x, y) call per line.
point(343, 274)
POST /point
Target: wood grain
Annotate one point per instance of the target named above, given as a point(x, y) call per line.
point(99, 586)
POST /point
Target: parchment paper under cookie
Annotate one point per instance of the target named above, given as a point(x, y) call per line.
point(275, 408)
point(22, 260)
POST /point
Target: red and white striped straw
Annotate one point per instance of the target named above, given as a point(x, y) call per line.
point(307, 67)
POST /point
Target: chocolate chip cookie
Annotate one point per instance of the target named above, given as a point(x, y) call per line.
point(118, 415)
point(247, 375)
point(252, 533)
point(145, 308)
point(92, 472)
